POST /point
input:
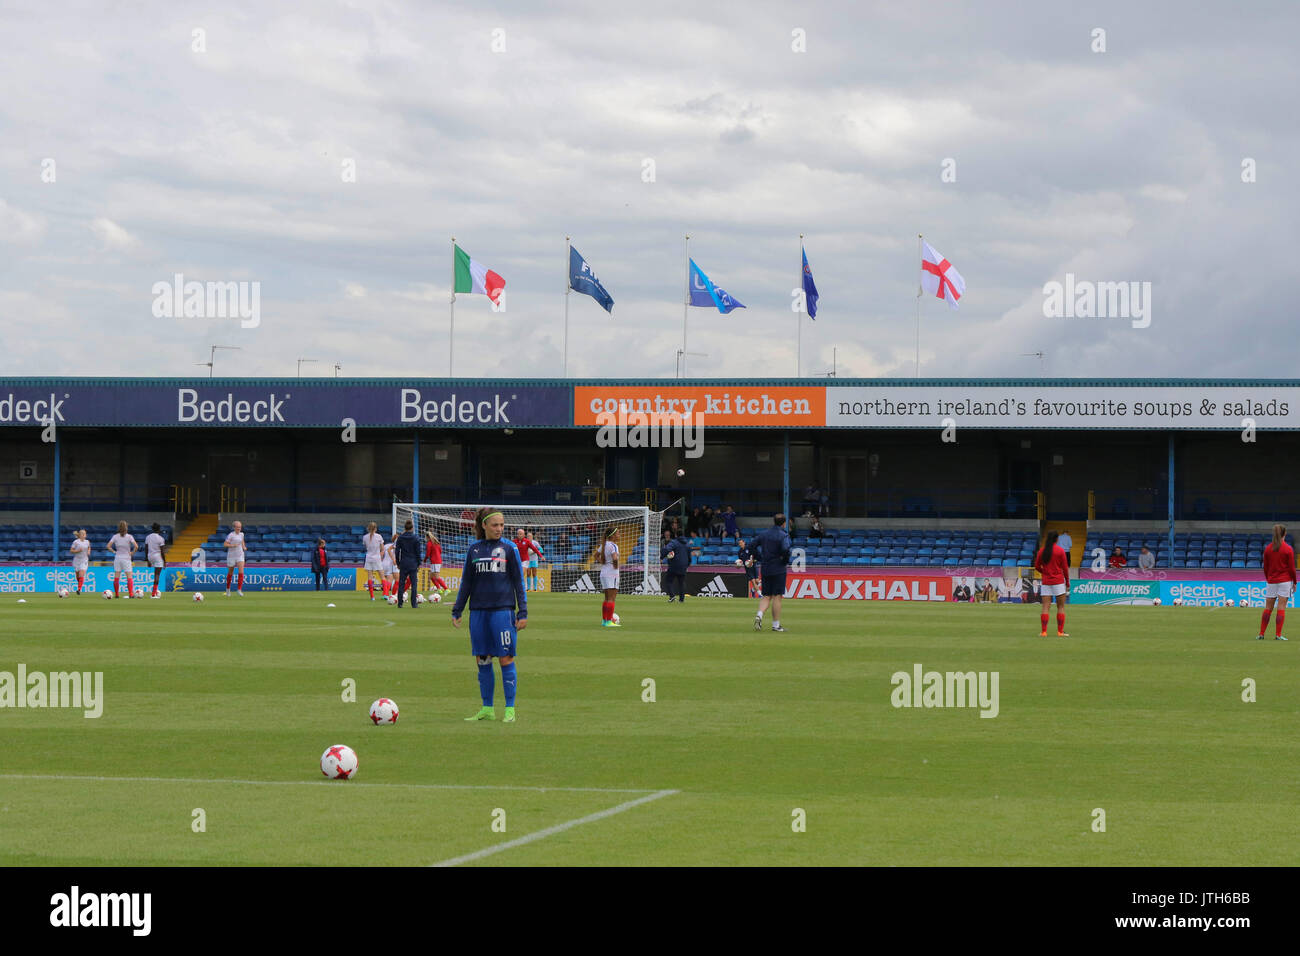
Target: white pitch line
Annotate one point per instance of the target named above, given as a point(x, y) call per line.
point(558, 828)
point(326, 783)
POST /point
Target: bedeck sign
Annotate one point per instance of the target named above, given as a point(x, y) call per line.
point(720, 405)
point(269, 403)
point(859, 587)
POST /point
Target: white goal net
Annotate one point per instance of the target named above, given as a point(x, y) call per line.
point(568, 539)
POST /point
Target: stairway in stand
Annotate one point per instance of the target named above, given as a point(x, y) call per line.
point(195, 535)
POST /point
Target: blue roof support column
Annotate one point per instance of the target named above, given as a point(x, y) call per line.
point(58, 489)
point(1170, 504)
point(785, 478)
point(415, 471)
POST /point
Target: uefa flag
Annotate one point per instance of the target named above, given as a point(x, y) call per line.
point(705, 293)
point(809, 289)
point(582, 279)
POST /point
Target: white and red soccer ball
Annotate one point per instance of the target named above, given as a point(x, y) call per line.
point(198, 597)
point(63, 592)
point(108, 595)
point(1155, 601)
point(435, 597)
point(616, 618)
point(339, 762)
point(383, 711)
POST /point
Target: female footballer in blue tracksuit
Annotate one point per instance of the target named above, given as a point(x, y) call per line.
point(493, 584)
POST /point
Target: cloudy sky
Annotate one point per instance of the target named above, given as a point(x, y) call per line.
point(142, 140)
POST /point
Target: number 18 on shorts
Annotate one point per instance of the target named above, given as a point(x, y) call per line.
point(492, 633)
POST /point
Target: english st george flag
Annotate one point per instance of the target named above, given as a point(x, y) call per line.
point(938, 277)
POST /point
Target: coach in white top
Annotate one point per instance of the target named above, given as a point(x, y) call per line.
point(123, 546)
point(235, 556)
point(154, 546)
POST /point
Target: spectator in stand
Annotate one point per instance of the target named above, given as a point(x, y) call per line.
point(1146, 560)
point(816, 530)
point(675, 526)
point(706, 522)
point(718, 526)
point(1117, 559)
point(1066, 543)
point(693, 523)
point(320, 565)
point(729, 524)
point(812, 499)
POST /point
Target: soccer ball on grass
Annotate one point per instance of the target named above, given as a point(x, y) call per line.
point(339, 762)
point(435, 597)
point(383, 711)
point(108, 595)
point(63, 592)
point(616, 618)
point(1155, 601)
point(198, 597)
point(1178, 602)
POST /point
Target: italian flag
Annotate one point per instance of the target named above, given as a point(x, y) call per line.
point(474, 277)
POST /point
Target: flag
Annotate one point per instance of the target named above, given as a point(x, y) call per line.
point(939, 277)
point(705, 293)
point(582, 279)
point(809, 289)
point(474, 277)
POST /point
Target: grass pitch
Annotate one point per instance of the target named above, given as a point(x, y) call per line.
point(225, 707)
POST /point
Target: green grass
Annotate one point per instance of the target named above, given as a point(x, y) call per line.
point(1139, 713)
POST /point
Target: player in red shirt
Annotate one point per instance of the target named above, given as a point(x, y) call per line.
point(529, 553)
point(433, 554)
point(1054, 565)
point(1279, 572)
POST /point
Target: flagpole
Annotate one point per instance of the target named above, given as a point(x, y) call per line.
point(798, 361)
point(918, 305)
point(568, 258)
point(451, 332)
point(686, 302)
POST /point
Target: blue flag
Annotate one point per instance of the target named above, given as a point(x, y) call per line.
point(809, 289)
point(582, 279)
point(705, 293)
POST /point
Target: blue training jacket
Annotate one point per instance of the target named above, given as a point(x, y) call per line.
point(493, 578)
point(773, 548)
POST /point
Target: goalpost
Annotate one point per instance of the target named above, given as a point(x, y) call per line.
point(569, 538)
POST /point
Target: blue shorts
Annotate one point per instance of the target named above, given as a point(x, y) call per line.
point(773, 584)
point(492, 633)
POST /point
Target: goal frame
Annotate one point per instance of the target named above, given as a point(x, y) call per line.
point(560, 509)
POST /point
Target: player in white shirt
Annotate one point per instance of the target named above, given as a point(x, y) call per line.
point(80, 552)
point(390, 565)
point(155, 546)
point(122, 546)
point(235, 553)
point(374, 544)
point(608, 555)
